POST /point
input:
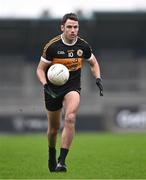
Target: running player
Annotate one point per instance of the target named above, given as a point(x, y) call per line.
point(68, 49)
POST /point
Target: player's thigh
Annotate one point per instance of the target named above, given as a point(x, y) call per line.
point(71, 102)
point(54, 119)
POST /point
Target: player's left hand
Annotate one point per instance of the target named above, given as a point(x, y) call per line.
point(49, 91)
point(100, 86)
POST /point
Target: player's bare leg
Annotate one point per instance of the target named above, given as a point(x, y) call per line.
point(53, 126)
point(71, 104)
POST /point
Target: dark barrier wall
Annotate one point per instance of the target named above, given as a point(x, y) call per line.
point(39, 123)
point(105, 30)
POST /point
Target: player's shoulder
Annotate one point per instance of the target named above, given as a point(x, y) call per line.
point(83, 41)
point(53, 41)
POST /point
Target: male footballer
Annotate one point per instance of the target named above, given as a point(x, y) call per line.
point(70, 50)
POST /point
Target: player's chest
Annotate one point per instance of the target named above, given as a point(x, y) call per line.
point(68, 52)
point(71, 57)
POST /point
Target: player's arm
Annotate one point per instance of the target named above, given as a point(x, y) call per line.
point(95, 69)
point(41, 69)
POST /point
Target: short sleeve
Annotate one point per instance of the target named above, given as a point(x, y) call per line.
point(87, 51)
point(47, 53)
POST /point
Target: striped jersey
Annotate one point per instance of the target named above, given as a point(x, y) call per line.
point(70, 55)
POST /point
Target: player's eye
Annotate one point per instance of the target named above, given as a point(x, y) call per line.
point(69, 27)
point(75, 27)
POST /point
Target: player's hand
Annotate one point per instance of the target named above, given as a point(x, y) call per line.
point(100, 86)
point(48, 90)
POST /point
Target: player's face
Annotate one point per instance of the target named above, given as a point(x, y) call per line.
point(70, 29)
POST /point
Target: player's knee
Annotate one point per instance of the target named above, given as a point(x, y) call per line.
point(70, 120)
point(52, 131)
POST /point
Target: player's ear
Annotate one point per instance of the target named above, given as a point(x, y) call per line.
point(62, 28)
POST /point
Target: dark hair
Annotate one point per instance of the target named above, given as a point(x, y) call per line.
point(71, 16)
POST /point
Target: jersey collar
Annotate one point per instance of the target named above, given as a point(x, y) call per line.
point(68, 43)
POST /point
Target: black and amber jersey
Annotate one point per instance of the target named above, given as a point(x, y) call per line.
point(70, 55)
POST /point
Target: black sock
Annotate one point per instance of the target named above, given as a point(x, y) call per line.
point(63, 154)
point(52, 153)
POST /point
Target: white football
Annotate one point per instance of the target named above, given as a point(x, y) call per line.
point(58, 74)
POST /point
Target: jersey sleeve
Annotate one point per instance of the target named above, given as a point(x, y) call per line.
point(47, 54)
point(87, 52)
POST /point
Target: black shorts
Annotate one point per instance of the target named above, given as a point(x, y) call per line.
point(73, 84)
point(54, 104)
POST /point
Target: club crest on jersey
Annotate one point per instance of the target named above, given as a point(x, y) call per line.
point(79, 52)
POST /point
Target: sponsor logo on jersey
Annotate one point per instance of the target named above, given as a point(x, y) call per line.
point(70, 50)
point(72, 64)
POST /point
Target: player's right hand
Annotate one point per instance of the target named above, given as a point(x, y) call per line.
point(49, 91)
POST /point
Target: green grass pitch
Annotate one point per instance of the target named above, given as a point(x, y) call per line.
point(92, 156)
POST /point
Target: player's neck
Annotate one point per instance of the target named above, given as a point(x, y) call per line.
point(67, 41)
